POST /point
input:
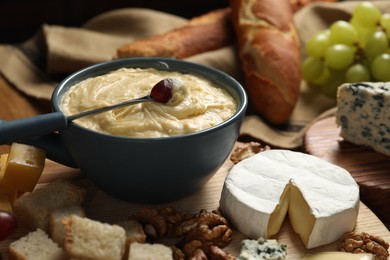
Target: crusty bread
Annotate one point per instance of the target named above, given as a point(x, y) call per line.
point(298, 4)
point(134, 231)
point(147, 251)
point(35, 245)
point(269, 50)
point(207, 32)
point(90, 239)
point(57, 232)
point(33, 209)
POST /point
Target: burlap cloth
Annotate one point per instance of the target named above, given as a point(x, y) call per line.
point(37, 65)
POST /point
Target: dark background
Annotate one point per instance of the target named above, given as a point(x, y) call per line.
point(20, 19)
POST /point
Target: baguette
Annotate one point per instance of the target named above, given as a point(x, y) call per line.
point(204, 33)
point(299, 4)
point(269, 51)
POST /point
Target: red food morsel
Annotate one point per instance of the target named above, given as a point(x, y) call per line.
point(7, 225)
point(162, 91)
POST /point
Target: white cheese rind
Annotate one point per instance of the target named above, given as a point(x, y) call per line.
point(363, 113)
point(240, 196)
point(253, 187)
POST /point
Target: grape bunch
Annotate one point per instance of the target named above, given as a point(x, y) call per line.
point(349, 51)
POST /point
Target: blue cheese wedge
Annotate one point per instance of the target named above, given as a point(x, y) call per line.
point(363, 113)
point(262, 249)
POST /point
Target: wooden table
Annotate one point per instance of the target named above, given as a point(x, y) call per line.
point(106, 208)
point(15, 105)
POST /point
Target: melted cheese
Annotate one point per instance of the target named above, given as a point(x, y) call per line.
point(259, 192)
point(199, 105)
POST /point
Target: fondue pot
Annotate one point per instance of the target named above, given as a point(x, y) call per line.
point(150, 170)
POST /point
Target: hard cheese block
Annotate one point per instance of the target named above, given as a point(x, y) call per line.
point(338, 256)
point(24, 167)
point(6, 191)
point(363, 113)
point(322, 199)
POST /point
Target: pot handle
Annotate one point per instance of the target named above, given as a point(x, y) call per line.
point(20, 129)
point(36, 131)
point(54, 148)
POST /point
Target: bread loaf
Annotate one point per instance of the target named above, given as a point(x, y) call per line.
point(298, 4)
point(269, 50)
point(207, 32)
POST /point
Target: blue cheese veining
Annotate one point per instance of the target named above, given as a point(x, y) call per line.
point(363, 113)
point(262, 248)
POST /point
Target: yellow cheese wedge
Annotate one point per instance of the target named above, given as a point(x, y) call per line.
point(4, 189)
point(5, 203)
point(338, 256)
point(24, 167)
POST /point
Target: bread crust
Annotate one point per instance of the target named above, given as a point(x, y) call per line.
point(269, 50)
point(204, 33)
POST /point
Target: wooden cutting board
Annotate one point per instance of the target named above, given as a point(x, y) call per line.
point(103, 207)
point(370, 169)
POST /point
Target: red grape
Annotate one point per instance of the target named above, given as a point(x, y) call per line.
point(7, 225)
point(163, 90)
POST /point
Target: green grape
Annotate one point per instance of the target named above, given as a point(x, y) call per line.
point(339, 56)
point(377, 44)
point(364, 32)
point(366, 14)
point(317, 44)
point(342, 32)
point(385, 23)
point(323, 77)
point(329, 88)
point(357, 73)
point(311, 68)
point(380, 67)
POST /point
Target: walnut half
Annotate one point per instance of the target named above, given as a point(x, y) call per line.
point(355, 242)
point(246, 150)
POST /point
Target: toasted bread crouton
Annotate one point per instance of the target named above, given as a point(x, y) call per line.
point(33, 209)
point(90, 239)
point(35, 245)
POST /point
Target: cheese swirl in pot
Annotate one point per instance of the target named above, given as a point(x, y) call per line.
point(196, 106)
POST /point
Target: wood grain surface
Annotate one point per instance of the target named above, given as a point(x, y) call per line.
point(105, 208)
point(102, 207)
point(370, 169)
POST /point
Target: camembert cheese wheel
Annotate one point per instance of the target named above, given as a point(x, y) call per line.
point(321, 199)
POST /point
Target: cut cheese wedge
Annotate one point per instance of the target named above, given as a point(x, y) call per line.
point(338, 256)
point(5, 203)
point(4, 189)
point(321, 199)
point(24, 167)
